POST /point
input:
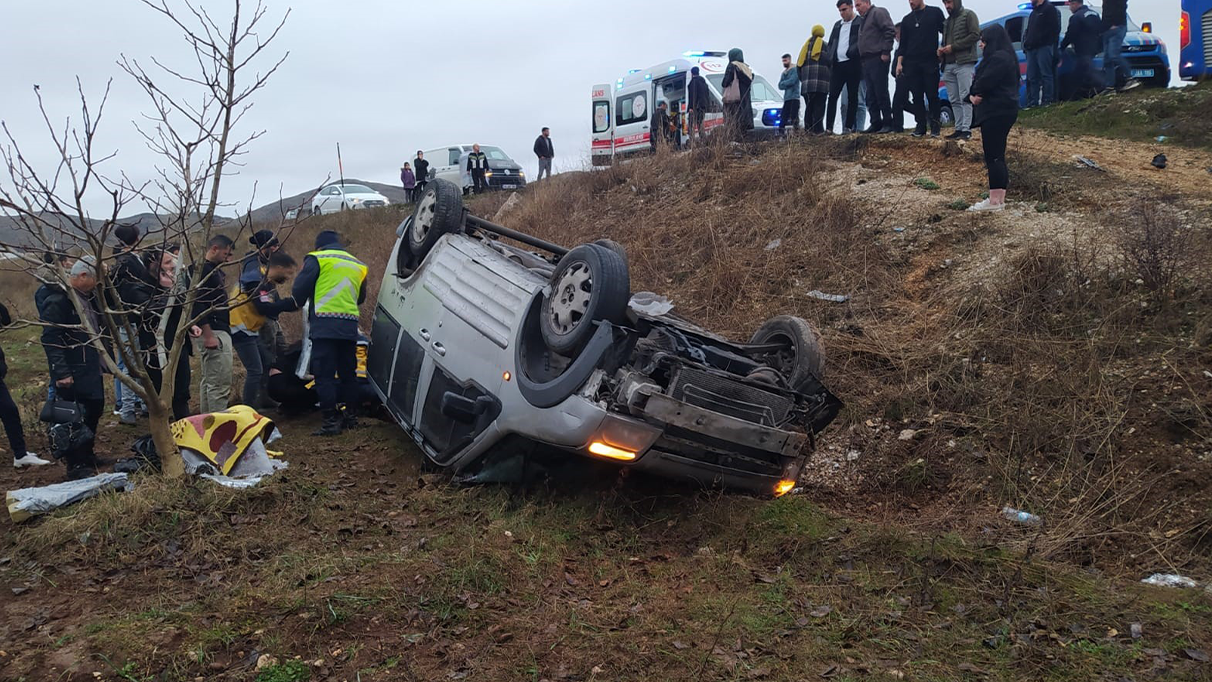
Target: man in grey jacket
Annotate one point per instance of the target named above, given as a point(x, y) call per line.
point(875, 49)
point(961, 33)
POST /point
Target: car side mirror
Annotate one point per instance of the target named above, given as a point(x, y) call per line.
point(462, 409)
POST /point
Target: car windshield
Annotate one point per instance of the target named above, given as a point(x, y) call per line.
point(495, 154)
point(762, 91)
point(358, 189)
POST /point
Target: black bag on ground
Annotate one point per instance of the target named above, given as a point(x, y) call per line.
point(146, 456)
point(61, 412)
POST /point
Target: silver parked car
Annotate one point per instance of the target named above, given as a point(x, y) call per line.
point(482, 350)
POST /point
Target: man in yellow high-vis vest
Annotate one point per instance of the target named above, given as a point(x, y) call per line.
point(335, 282)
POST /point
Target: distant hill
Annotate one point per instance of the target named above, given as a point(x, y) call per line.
point(11, 233)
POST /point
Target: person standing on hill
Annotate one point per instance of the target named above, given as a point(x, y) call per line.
point(995, 94)
point(1117, 72)
point(211, 310)
point(73, 360)
point(875, 49)
point(958, 53)
point(10, 416)
point(545, 150)
point(815, 78)
point(1083, 34)
point(130, 281)
point(698, 101)
point(846, 71)
point(409, 182)
point(738, 91)
point(421, 171)
point(1043, 35)
point(160, 324)
point(334, 281)
point(917, 63)
point(477, 165)
point(789, 83)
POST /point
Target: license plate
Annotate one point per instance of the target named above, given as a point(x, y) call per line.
point(1142, 73)
point(509, 186)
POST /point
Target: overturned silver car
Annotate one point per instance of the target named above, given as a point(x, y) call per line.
point(481, 346)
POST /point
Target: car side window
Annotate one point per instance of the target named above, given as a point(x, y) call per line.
point(454, 155)
point(332, 191)
point(601, 117)
point(1014, 26)
point(632, 108)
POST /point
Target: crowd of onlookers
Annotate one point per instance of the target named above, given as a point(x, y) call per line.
point(147, 302)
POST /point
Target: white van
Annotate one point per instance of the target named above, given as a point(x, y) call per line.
point(450, 163)
point(622, 112)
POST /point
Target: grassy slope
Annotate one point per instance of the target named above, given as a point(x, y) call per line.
point(358, 564)
point(1180, 114)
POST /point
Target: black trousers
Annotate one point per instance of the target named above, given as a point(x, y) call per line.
point(994, 132)
point(151, 363)
point(814, 111)
point(478, 180)
point(790, 115)
point(879, 103)
point(848, 75)
point(334, 362)
point(11, 417)
point(921, 83)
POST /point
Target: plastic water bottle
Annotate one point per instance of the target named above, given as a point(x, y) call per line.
point(1022, 517)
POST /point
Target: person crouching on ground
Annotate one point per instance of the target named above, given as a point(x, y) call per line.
point(994, 93)
point(72, 358)
point(335, 282)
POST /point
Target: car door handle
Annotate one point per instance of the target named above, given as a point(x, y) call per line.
point(425, 335)
point(439, 348)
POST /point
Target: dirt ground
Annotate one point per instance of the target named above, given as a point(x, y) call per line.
point(357, 563)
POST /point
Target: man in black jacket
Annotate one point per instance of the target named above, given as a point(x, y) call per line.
point(1083, 35)
point(134, 287)
point(421, 168)
point(875, 50)
point(214, 318)
point(917, 63)
point(698, 100)
point(545, 151)
point(72, 358)
point(1043, 34)
point(477, 165)
point(843, 54)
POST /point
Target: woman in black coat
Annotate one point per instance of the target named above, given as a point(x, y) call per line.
point(994, 93)
point(738, 113)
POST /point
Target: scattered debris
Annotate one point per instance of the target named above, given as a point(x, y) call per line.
point(1019, 516)
point(1161, 138)
point(907, 434)
point(648, 303)
point(1196, 655)
point(1170, 580)
point(898, 229)
point(774, 244)
point(510, 204)
point(1137, 630)
point(821, 611)
point(832, 298)
point(1159, 161)
point(26, 503)
point(1088, 163)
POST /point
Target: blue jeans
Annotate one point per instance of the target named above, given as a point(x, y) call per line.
point(1041, 76)
point(1113, 58)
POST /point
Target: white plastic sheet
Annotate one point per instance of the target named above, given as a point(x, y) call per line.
point(29, 502)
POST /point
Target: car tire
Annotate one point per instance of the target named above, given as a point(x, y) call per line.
point(590, 284)
point(804, 357)
point(617, 248)
point(946, 116)
point(316, 211)
point(439, 211)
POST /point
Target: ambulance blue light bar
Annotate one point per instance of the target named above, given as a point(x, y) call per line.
point(672, 69)
point(694, 53)
point(1025, 5)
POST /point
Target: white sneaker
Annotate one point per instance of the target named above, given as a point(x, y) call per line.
point(29, 460)
point(986, 206)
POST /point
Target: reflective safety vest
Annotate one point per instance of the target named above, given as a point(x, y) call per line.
point(243, 314)
point(340, 281)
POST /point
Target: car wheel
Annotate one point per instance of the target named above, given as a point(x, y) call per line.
point(316, 210)
point(438, 212)
point(617, 248)
point(945, 115)
point(590, 284)
point(802, 356)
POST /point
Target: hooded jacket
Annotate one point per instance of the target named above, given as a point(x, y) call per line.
point(69, 348)
point(962, 32)
point(997, 77)
point(877, 34)
point(1043, 28)
point(407, 179)
point(739, 70)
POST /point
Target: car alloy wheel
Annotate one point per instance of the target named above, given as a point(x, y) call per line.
point(572, 295)
point(590, 283)
point(423, 217)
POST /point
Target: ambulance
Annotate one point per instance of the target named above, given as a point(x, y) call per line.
point(622, 111)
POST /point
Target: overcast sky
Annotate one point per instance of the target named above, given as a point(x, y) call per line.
point(387, 77)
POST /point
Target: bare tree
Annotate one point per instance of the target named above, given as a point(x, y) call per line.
point(191, 126)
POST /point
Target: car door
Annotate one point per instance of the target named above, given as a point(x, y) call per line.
point(331, 199)
point(602, 140)
point(632, 116)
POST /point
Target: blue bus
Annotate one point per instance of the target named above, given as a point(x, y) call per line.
point(1195, 39)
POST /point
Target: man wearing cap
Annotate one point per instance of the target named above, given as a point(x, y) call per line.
point(73, 360)
point(255, 306)
point(334, 281)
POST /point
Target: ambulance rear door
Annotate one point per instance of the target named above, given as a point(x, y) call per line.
point(602, 140)
point(632, 117)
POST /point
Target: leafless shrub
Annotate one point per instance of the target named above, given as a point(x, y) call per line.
point(1154, 245)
